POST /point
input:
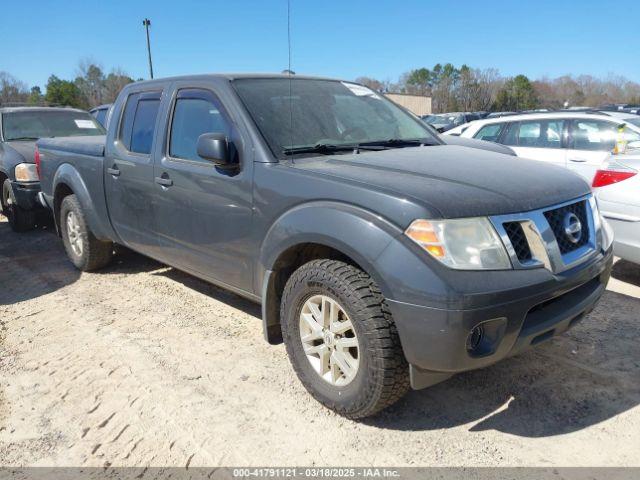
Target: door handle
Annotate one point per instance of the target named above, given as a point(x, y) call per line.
point(113, 171)
point(165, 181)
point(578, 160)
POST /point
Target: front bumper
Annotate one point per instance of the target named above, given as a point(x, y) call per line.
point(435, 340)
point(26, 195)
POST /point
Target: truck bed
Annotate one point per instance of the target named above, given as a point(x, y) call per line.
point(78, 163)
point(90, 145)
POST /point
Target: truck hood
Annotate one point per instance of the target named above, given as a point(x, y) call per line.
point(455, 181)
point(25, 149)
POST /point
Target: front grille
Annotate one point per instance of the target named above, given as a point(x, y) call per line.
point(518, 240)
point(556, 221)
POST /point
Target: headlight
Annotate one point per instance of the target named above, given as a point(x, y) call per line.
point(26, 172)
point(463, 244)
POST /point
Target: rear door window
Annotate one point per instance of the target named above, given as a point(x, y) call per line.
point(599, 135)
point(535, 134)
point(139, 121)
point(101, 116)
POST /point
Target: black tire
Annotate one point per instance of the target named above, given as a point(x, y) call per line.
point(95, 253)
point(382, 377)
point(20, 219)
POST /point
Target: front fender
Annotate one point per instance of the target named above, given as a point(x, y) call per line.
point(66, 174)
point(358, 233)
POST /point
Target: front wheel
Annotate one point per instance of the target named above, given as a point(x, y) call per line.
point(84, 250)
point(341, 339)
point(20, 219)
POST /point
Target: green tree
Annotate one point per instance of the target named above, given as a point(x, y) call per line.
point(35, 97)
point(444, 84)
point(113, 83)
point(421, 80)
point(517, 93)
point(91, 82)
point(64, 92)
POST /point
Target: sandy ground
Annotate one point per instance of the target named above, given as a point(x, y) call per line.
point(143, 365)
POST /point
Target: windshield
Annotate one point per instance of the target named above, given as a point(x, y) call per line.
point(324, 112)
point(31, 125)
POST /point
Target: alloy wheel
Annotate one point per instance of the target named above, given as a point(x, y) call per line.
point(329, 340)
point(73, 233)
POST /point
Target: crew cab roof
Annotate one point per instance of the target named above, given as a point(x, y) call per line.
point(38, 109)
point(232, 76)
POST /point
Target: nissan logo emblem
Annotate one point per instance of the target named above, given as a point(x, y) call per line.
point(572, 227)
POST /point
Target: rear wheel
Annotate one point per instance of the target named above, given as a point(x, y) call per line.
point(20, 219)
point(341, 339)
point(84, 250)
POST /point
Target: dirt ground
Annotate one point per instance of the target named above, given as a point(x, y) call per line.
point(140, 364)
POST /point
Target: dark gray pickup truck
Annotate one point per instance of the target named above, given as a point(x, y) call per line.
point(382, 257)
point(20, 127)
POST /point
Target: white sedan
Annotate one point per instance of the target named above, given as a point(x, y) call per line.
point(617, 187)
point(579, 141)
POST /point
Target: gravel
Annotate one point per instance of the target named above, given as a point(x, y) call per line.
point(142, 365)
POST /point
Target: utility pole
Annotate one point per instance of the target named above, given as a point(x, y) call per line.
point(147, 23)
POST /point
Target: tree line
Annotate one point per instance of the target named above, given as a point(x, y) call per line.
point(91, 87)
point(451, 89)
point(471, 89)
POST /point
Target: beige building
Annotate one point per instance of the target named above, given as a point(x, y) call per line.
point(418, 104)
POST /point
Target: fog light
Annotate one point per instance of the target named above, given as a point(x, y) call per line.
point(475, 337)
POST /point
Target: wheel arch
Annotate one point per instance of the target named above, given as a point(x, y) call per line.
point(68, 181)
point(313, 231)
point(61, 191)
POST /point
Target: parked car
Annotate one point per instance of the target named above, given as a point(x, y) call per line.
point(579, 141)
point(382, 257)
point(616, 186)
point(470, 142)
point(479, 144)
point(623, 115)
point(100, 113)
point(618, 107)
point(20, 127)
point(446, 121)
point(457, 131)
point(500, 114)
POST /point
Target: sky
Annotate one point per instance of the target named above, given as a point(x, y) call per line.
point(345, 39)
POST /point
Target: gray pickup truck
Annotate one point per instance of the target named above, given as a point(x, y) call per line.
point(382, 257)
point(20, 127)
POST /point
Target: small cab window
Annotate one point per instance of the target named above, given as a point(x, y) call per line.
point(599, 135)
point(196, 112)
point(535, 134)
point(139, 121)
point(101, 116)
point(490, 133)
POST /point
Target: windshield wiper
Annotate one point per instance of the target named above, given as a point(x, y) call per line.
point(22, 138)
point(398, 143)
point(328, 148)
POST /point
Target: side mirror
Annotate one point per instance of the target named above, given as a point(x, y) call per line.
point(214, 147)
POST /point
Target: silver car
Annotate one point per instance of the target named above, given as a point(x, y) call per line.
point(617, 185)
